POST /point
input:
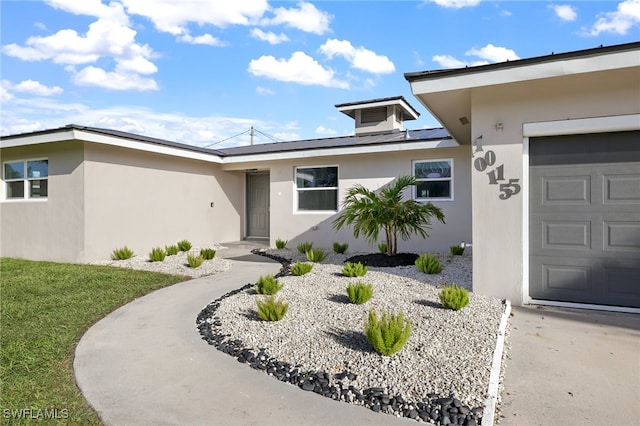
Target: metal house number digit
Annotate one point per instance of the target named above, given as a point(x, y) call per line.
point(496, 175)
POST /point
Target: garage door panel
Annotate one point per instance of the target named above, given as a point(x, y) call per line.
point(622, 285)
point(622, 236)
point(567, 235)
point(561, 279)
point(621, 189)
point(563, 190)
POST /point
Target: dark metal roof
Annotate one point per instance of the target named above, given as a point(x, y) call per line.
point(423, 75)
point(406, 136)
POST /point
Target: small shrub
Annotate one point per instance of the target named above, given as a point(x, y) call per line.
point(271, 309)
point(305, 247)
point(122, 253)
point(194, 260)
point(301, 268)
point(268, 285)
point(388, 335)
point(171, 250)
point(382, 247)
point(281, 244)
point(359, 292)
point(316, 255)
point(184, 245)
point(454, 297)
point(340, 248)
point(354, 270)
point(428, 264)
point(457, 250)
point(157, 254)
point(207, 253)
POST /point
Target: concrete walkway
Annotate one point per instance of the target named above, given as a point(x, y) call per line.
point(572, 367)
point(146, 364)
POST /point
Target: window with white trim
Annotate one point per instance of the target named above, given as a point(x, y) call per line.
point(435, 179)
point(317, 188)
point(26, 179)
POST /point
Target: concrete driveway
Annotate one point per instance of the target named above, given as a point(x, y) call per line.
point(572, 367)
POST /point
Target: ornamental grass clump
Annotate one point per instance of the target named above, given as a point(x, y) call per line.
point(208, 253)
point(389, 334)
point(157, 254)
point(281, 244)
point(316, 255)
point(340, 248)
point(171, 250)
point(382, 247)
point(271, 309)
point(194, 260)
point(301, 268)
point(457, 250)
point(359, 292)
point(123, 253)
point(184, 245)
point(305, 247)
point(268, 284)
point(454, 297)
point(428, 264)
point(354, 270)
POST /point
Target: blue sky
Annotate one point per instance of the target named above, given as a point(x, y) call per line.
point(200, 72)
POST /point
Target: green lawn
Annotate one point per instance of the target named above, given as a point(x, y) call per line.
point(44, 310)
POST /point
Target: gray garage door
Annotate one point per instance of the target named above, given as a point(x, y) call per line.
point(585, 218)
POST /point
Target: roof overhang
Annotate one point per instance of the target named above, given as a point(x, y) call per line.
point(408, 112)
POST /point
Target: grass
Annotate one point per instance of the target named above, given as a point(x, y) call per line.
point(45, 308)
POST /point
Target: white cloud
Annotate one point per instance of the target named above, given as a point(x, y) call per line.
point(40, 26)
point(321, 130)
point(306, 17)
point(33, 87)
point(113, 80)
point(264, 91)
point(455, 4)
point(269, 37)
point(203, 39)
point(448, 61)
point(5, 96)
point(626, 16)
point(359, 57)
point(487, 54)
point(300, 68)
point(565, 12)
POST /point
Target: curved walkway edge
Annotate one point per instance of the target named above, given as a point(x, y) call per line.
point(146, 364)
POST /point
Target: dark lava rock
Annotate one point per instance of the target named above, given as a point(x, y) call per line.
point(307, 385)
point(384, 261)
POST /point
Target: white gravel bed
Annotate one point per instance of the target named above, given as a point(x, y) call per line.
point(448, 352)
point(175, 265)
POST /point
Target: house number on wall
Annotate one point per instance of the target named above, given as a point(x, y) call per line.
point(512, 187)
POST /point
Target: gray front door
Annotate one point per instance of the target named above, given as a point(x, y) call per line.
point(584, 218)
point(258, 205)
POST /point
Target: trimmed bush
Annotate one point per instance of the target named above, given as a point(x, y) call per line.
point(122, 253)
point(359, 292)
point(207, 253)
point(382, 247)
point(268, 284)
point(157, 254)
point(340, 248)
point(281, 244)
point(456, 250)
point(184, 245)
point(388, 335)
point(428, 264)
point(171, 250)
point(194, 260)
point(316, 255)
point(354, 270)
point(271, 309)
point(301, 268)
point(454, 297)
point(305, 247)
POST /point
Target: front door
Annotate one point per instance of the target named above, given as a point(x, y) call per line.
point(258, 205)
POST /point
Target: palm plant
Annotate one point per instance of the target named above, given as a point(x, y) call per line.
point(369, 213)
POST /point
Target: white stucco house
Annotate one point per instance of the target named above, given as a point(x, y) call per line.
point(537, 165)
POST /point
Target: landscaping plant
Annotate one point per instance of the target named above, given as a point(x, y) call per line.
point(340, 248)
point(382, 247)
point(457, 250)
point(194, 260)
point(171, 250)
point(268, 285)
point(370, 212)
point(359, 292)
point(428, 264)
point(454, 297)
point(281, 244)
point(354, 270)
point(305, 247)
point(271, 309)
point(389, 334)
point(122, 253)
point(157, 254)
point(316, 255)
point(184, 245)
point(207, 253)
point(301, 268)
